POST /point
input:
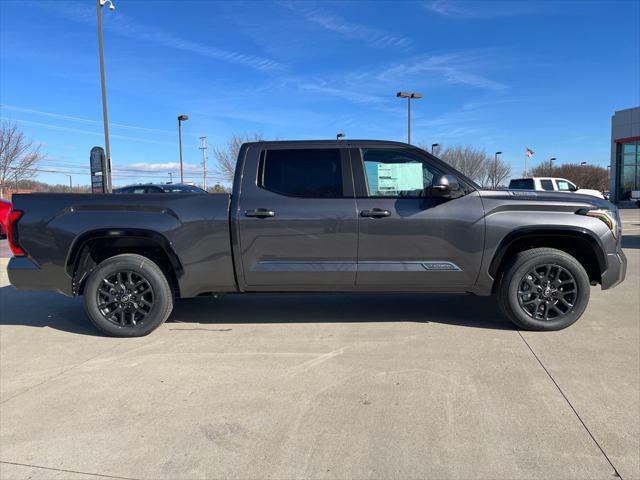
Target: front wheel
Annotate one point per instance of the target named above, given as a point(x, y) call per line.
point(127, 296)
point(543, 289)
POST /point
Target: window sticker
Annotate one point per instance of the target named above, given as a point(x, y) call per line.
point(399, 177)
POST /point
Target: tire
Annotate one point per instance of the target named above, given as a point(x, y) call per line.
point(537, 307)
point(127, 296)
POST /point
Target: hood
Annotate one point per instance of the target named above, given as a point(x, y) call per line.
point(579, 199)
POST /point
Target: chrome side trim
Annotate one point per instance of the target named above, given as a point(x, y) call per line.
point(364, 266)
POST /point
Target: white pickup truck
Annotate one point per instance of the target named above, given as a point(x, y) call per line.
point(551, 184)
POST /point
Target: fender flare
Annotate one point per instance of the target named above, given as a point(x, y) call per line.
point(81, 241)
point(548, 231)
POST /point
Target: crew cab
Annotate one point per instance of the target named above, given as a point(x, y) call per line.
point(319, 216)
point(551, 184)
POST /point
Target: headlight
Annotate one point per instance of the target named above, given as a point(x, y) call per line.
point(611, 218)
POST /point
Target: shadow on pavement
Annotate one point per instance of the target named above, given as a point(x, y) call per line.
point(630, 241)
point(452, 309)
point(44, 309)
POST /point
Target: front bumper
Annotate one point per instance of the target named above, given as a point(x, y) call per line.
point(616, 270)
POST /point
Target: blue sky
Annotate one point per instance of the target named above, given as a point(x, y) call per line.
point(497, 75)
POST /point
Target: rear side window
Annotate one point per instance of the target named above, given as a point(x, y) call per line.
point(311, 173)
point(521, 184)
point(546, 184)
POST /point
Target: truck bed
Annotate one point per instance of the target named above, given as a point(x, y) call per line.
point(193, 228)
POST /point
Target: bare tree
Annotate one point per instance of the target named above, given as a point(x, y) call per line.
point(18, 156)
point(497, 171)
point(468, 160)
point(228, 156)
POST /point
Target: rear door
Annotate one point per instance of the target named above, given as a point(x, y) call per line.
point(297, 219)
point(410, 240)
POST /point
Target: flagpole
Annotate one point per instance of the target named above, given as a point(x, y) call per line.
point(524, 174)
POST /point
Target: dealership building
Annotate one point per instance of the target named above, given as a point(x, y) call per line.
point(625, 153)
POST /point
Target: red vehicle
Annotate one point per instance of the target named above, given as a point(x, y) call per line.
point(5, 208)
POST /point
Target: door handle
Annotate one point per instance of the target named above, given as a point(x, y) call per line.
point(375, 213)
point(260, 213)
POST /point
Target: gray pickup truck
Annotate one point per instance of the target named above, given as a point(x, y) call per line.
point(319, 216)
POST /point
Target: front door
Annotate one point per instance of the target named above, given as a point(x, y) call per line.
point(409, 240)
point(298, 222)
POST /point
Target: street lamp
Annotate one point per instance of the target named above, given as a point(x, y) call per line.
point(551, 160)
point(495, 169)
point(170, 177)
point(181, 118)
point(105, 117)
point(433, 146)
point(340, 135)
point(409, 96)
point(583, 163)
point(70, 183)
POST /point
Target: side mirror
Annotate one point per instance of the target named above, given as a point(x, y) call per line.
point(446, 186)
point(573, 188)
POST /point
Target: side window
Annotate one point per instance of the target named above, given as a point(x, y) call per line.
point(138, 190)
point(394, 173)
point(563, 185)
point(311, 173)
point(546, 184)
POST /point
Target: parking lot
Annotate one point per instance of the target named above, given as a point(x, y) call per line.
point(323, 386)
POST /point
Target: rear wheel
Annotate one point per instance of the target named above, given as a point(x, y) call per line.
point(543, 289)
point(128, 296)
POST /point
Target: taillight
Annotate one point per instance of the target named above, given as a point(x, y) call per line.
point(12, 236)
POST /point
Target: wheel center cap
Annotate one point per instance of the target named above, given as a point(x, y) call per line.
point(125, 298)
point(546, 292)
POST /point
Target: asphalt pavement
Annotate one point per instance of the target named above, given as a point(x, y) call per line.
point(323, 386)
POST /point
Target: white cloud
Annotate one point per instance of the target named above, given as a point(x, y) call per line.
point(78, 119)
point(370, 35)
point(162, 167)
point(454, 68)
point(478, 9)
point(127, 26)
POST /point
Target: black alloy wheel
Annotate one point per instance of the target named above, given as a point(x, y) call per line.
point(125, 298)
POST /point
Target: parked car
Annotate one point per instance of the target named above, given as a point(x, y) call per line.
point(320, 216)
point(5, 208)
point(160, 188)
point(551, 184)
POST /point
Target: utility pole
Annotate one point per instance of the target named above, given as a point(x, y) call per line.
point(203, 147)
point(105, 117)
point(70, 183)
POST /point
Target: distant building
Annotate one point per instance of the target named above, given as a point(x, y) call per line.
point(625, 153)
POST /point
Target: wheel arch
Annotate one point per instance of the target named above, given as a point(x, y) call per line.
point(94, 246)
point(577, 242)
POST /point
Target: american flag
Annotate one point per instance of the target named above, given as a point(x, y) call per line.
point(529, 152)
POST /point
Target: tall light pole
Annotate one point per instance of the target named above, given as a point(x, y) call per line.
point(203, 147)
point(181, 118)
point(551, 160)
point(170, 177)
point(495, 169)
point(105, 117)
point(70, 183)
point(434, 146)
point(409, 96)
